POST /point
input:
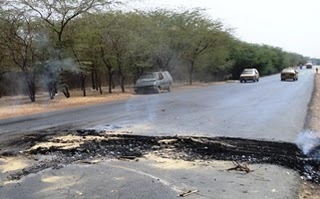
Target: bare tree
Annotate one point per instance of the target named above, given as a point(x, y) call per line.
point(18, 36)
point(109, 66)
point(58, 14)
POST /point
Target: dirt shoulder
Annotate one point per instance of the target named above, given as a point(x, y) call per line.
point(309, 190)
point(313, 118)
point(14, 106)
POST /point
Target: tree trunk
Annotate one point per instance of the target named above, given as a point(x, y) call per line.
point(122, 80)
point(1, 88)
point(30, 79)
point(100, 88)
point(83, 83)
point(51, 89)
point(65, 88)
point(65, 91)
point(97, 80)
point(120, 74)
point(109, 67)
point(191, 72)
point(110, 76)
point(98, 84)
point(93, 80)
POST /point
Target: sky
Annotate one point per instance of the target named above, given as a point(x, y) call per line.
point(292, 25)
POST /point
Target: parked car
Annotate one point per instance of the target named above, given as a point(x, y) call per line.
point(249, 74)
point(154, 82)
point(309, 65)
point(289, 73)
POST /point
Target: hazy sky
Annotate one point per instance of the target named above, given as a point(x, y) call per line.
point(292, 25)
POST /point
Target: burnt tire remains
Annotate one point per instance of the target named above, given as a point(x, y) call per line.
point(180, 147)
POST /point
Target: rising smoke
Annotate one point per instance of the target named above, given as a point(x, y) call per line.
point(51, 66)
point(308, 140)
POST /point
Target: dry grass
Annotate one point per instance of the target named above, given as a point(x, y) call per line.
point(13, 106)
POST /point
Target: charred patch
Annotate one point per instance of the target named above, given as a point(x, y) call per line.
point(90, 144)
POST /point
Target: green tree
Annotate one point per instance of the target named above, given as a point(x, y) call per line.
point(267, 59)
point(198, 36)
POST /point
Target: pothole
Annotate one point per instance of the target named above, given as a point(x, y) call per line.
point(71, 147)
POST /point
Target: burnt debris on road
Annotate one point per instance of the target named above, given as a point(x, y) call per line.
point(69, 147)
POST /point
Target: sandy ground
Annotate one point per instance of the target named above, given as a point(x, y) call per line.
point(308, 190)
point(13, 106)
point(314, 109)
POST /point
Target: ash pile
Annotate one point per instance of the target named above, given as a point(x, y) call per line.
point(84, 145)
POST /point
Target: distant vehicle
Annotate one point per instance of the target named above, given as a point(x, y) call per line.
point(309, 65)
point(289, 73)
point(154, 82)
point(249, 74)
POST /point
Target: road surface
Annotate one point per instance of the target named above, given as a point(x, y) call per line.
point(269, 109)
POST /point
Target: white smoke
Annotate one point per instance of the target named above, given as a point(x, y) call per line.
point(308, 140)
point(149, 105)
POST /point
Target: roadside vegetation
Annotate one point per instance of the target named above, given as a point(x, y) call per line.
point(58, 45)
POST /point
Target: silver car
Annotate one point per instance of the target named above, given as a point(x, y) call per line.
point(251, 74)
point(154, 82)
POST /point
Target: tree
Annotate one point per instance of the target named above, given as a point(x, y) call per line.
point(18, 37)
point(116, 39)
point(198, 36)
point(4, 60)
point(56, 15)
point(98, 42)
point(267, 59)
point(243, 55)
point(111, 34)
point(164, 43)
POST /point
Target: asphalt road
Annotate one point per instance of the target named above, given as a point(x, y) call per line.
point(269, 109)
point(149, 179)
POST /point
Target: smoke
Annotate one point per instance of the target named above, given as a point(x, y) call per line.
point(56, 66)
point(148, 105)
point(53, 70)
point(51, 66)
point(51, 56)
point(307, 141)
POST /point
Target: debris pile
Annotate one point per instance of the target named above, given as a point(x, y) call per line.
point(89, 145)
